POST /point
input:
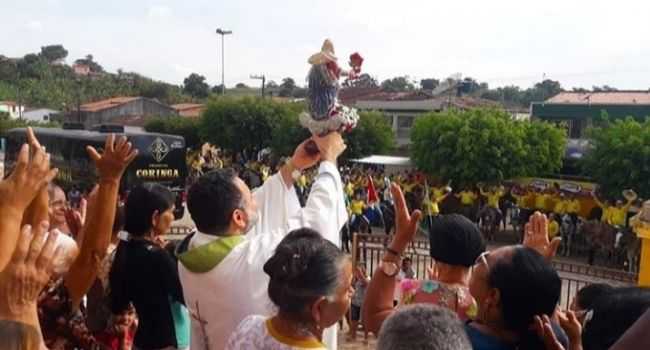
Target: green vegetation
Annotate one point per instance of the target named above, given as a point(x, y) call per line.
point(619, 156)
point(485, 145)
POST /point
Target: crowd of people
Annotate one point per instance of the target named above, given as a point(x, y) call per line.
point(264, 269)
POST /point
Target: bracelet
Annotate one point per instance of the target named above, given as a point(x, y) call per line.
point(393, 251)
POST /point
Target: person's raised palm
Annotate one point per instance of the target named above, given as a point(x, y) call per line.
point(406, 224)
point(117, 155)
point(536, 236)
point(29, 176)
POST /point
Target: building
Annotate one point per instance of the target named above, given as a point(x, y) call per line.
point(190, 110)
point(39, 114)
point(15, 110)
point(81, 69)
point(130, 111)
point(576, 111)
point(402, 108)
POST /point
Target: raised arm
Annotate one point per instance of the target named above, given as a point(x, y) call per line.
point(378, 304)
point(325, 208)
point(28, 178)
point(101, 213)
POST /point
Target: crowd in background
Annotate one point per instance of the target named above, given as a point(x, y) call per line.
point(264, 268)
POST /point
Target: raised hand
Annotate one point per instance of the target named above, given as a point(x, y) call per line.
point(406, 224)
point(330, 146)
point(27, 273)
point(536, 236)
point(28, 178)
point(116, 157)
point(303, 159)
point(569, 324)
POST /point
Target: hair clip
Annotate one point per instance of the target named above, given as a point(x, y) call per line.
point(296, 256)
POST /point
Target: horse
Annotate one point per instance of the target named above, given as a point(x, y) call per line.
point(629, 248)
point(567, 231)
point(490, 219)
point(601, 238)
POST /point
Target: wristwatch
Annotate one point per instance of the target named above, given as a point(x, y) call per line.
point(389, 268)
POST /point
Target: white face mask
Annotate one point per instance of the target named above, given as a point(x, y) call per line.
point(70, 251)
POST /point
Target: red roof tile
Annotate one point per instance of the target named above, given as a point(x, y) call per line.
point(105, 104)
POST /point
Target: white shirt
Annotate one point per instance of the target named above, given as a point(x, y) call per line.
point(255, 332)
point(237, 287)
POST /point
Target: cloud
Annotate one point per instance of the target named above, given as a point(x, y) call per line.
point(158, 12)
point(34, 25)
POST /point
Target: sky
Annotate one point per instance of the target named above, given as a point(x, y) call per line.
point(581, 43)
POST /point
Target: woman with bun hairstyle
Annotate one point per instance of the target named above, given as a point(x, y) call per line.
point(311, 286)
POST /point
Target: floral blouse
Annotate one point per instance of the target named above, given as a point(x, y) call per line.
point(63, 326)
point(454, 297)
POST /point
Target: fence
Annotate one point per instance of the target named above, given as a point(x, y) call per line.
point(369, 249)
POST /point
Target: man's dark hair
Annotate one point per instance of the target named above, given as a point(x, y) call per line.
point(587, 296)
point(422, 327)
point(455, 240)
point(529, 286)
point(212, 199)
point(613, 315)
point(304, 267)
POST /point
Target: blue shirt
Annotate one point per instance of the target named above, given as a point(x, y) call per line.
point(481, 341)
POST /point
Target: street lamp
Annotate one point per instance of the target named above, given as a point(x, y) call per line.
point(263, 79)
point(223, 33)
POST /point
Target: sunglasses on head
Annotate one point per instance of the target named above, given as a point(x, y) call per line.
point(482, 259)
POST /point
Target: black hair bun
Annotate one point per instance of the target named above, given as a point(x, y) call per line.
point(286, 264)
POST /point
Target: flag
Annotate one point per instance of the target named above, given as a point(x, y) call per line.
point(373, 198)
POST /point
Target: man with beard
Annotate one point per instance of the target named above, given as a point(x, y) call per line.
point(220, 266)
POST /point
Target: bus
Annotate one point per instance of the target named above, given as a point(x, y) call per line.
point(160, 159)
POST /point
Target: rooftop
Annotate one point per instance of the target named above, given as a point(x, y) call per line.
point(105, 104)
point(185, 106)
point(604, 98)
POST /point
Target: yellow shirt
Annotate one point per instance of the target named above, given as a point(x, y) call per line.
point(302, 181)
point(618, 216)
point(349, 189)
point(467, 197)
point(573, 206)
point(357, 206)
point(431, 207)
point(560, 207)
point(553, 229)
point(493, 198)
point(408, 187)
point(541, 201)
point(438, 192)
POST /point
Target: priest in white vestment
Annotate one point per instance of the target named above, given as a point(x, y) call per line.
point(220, 266)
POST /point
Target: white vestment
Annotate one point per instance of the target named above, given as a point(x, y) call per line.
point(237, 287)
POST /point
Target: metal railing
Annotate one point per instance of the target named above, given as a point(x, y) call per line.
point(368, 249)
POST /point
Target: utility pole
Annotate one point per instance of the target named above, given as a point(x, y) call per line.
point(223, 33)
point(263, 79)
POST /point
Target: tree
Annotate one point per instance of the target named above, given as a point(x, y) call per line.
point(182, 126)
point(241, 86)
point(54, 53)
point(365, 80)
point(373, 135)
point(429, 84)
point(287, 87)
point(272, 84)
point(469, 86)
point(397, 84)
point(604, 88)
point(217, 89)
point(619, 156)
point(195, 86)
point(241, 124)
point(484, 145)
